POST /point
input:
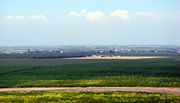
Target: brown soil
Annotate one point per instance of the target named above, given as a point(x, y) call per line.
point(171, 90)
point(119, 57)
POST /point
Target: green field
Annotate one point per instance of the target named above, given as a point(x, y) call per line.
point(48, 62)
point(73, 53)
point(87, 97)
point(48, 73)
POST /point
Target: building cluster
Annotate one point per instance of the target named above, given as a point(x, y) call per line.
point(29, 51)
point(94, 50)
point(55, 51)
point(139, 50)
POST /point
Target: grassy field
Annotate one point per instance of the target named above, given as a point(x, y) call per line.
point(153, 72)
point(87, 97)
point(48, 62)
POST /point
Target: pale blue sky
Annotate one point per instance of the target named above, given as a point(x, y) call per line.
point(89, 22)
point(53, 8)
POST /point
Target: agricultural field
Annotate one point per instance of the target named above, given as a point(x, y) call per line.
point(48, 62)
point(89, 51)
point(84, 73)
point(87, 97)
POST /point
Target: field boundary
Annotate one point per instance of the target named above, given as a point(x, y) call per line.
point(170, 90)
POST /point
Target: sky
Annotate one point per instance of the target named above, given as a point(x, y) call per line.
point(89, 22)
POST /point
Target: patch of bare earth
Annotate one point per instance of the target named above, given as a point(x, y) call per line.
point(171, 90)
point(119, 57)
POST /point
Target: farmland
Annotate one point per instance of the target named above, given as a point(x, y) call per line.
point(87, 97)
point(51, 71)
point(89, 51)
point(74, 73)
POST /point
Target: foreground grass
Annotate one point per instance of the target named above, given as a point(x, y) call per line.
point(155, 73)
point(87, 97)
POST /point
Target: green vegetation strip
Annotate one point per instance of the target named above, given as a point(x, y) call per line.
point(87, 97)
point(122, 73)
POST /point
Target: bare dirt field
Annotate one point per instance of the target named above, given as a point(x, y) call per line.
point(137, 89)
point(119, 57)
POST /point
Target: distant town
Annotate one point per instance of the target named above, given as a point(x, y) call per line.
point(94, 50)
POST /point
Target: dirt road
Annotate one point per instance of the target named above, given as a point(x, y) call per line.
point(138, 89)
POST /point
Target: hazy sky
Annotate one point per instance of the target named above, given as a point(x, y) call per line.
point(89, 22)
